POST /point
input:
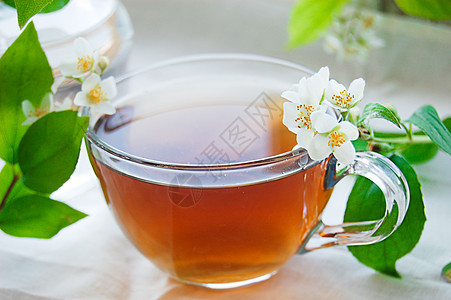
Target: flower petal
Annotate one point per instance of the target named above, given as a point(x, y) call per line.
point(82, 47)
point(345, 154)
point(319, 148)
point(316, 86)
point(79, 74)
point(349, 130)
point(304, 137)
point(289, 116)
point(109, 87)
point(323, 122)
point(291, 96)
point(356, 88)
point(90, 83)
point(323, 78)
point(28, 108)
point(96, 59)
point(81, 99)
point(324, 75)
point(47, 102)
point(105, 107)
point(68, 68)
point(303, 94)
point(30, 120)
point(333, 88)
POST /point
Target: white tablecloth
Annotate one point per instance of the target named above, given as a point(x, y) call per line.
point(93, 260)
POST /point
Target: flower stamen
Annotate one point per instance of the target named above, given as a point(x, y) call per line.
point(336, 139)
point(85, 63)
point(37, 113)
point(303, 119)
point(96, 95)
point(344, 99)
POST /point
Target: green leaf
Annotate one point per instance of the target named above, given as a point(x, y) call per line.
point(311, 18)
point(427, 119)
point(37, 217)
point(10, 183)
point(430, 9)
point(49, 150)
point(446, 272)
point(51, 7)
point(24, 74)
point(26, 9)
point(382, 256)
point(419, 153)
point(376, 110)
point(54, 6)
point(360, 145)
point(447, 123)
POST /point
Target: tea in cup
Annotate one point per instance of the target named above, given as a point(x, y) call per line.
point(201, 175)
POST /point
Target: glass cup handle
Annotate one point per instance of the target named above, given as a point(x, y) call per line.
point(386, 175)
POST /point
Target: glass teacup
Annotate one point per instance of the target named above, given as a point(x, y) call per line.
point(199, 171)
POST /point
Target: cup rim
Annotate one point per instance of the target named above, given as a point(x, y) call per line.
point(92, 137)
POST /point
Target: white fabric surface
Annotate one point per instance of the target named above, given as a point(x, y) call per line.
point(93, 260)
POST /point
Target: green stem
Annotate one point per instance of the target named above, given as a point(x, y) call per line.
point(80, 80)
point(345, 115)
point(10, 188)
point(414, 139)
point(408, 131)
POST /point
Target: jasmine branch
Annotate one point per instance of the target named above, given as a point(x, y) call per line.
point(414, 139)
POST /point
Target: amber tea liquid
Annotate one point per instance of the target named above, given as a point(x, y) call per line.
point(206, 227)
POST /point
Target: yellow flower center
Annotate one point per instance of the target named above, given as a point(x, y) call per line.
point(368, 22)
point(336, 139)
point(85, 63)
point(344, 99)
point(303, 119)
point(39, 112)
point(97, 95)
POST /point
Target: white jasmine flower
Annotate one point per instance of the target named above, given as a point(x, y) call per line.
point(33, 113)
point(332, 137)
point(342, 99)
point(303, 102)
point(84, 63)
point(352, 35)
point(97, 94)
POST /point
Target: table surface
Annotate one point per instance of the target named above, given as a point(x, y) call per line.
point(93, 260)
